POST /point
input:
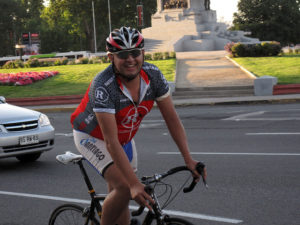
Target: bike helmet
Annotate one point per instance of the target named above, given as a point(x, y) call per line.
point(123, 39)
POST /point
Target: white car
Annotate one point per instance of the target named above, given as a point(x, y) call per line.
point(24, 133)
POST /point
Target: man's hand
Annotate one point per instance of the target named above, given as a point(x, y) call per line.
point(139, 195)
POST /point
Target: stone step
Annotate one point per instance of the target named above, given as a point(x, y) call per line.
point(205, 92)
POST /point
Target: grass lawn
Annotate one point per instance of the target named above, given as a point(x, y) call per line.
point(285, 68)
point(71, 80)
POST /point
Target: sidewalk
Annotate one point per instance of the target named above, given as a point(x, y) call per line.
point(194, 71)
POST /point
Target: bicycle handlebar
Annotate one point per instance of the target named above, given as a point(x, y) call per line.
point(157, 177)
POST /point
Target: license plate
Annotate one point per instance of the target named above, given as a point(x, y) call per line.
point(27, 140)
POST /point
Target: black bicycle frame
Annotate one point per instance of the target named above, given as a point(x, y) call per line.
point(95, 204)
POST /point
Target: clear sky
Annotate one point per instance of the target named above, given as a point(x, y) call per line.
point(224, 8)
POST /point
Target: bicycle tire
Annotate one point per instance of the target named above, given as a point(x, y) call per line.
point(69, 214)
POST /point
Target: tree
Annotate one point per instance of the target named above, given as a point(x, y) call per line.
point(66, 25)
point(269, 20)
point(11, 14)
point(72, 19)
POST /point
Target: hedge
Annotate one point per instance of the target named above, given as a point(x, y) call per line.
point(43, 62)
point(253, 50)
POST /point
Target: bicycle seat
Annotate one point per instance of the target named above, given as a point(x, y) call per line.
point(68, 157)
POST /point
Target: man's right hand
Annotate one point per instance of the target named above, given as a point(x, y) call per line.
point(139, 195)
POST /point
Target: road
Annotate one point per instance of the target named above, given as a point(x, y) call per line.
point(252, 154)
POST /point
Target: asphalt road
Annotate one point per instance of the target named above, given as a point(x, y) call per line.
point(252, 154)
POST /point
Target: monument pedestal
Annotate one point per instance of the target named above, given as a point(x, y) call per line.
point(190, 28)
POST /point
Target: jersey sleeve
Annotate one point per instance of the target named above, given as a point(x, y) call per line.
point(159, 83)
point(101, 98)
point(164, 91)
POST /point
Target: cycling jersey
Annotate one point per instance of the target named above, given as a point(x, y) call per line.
point(106, 93)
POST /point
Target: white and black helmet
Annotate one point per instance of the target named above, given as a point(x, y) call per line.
point(123, 39)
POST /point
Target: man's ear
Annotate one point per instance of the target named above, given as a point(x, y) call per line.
point(111, 57)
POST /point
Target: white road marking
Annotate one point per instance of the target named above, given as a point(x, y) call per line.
point(64, 134)
point(231, 153)
point(245, 117)
point(169, 212)
point(279, 133)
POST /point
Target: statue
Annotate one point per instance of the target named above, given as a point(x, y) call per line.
point(174, 4)
point(207, 4)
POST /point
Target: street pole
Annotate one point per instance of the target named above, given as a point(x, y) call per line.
point(94, 27)
point(109, 20)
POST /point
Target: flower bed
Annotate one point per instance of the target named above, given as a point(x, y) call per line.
point(25, 78)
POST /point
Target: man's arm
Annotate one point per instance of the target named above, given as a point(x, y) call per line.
point(109, 130)
point(177, 131)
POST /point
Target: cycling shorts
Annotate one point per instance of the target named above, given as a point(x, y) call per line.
point(95, 151)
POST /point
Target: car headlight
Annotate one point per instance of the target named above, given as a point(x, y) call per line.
point(44, 120)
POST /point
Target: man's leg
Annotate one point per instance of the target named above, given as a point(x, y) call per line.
point(115, 205)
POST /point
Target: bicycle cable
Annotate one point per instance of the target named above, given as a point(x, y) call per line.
point(169, 200)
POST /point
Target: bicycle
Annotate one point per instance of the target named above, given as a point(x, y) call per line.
point(71, 214)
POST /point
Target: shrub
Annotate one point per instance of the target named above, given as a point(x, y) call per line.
point(82, 60)
point(71, 62)
point(228, 47)
point(172, 55)
point(104, 59)
point(254, 50)
point(57, 62)
point(32, 63)
point(9, 65)
point(157, 56)
point(18, 63)
point(166, 55)
point(148, 56)
point(239, 50)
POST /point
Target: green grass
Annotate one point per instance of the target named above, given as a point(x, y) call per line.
point(285, 68)
point(71, 80)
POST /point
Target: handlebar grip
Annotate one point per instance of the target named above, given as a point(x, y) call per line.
point(190, 188)
point(200, 169)
point(138, 212)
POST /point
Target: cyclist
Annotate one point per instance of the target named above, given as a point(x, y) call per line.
point(109, 115)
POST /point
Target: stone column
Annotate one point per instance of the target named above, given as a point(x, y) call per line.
point(159, 6)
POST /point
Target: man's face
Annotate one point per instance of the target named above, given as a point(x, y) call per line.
point(128, 62)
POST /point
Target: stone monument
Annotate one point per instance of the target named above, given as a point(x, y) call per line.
point(188, 25)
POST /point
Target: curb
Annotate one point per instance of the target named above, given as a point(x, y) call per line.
point(191, 102)
point(51, 100)
point(286, 89)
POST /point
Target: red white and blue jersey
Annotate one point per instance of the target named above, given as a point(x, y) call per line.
point(106, 93)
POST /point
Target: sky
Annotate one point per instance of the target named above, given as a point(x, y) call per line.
point(224, 8)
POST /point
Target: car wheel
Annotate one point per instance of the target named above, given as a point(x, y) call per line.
point(29, 157)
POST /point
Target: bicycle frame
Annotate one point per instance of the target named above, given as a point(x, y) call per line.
point(95, 199)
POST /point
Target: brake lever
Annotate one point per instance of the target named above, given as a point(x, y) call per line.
point(200, 169)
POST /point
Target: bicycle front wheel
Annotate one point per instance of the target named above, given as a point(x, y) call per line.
point(70, 214)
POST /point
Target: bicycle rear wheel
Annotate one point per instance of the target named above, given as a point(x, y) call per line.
point(70, 214)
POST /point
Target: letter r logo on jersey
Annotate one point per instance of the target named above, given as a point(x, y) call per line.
point(101, 95)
